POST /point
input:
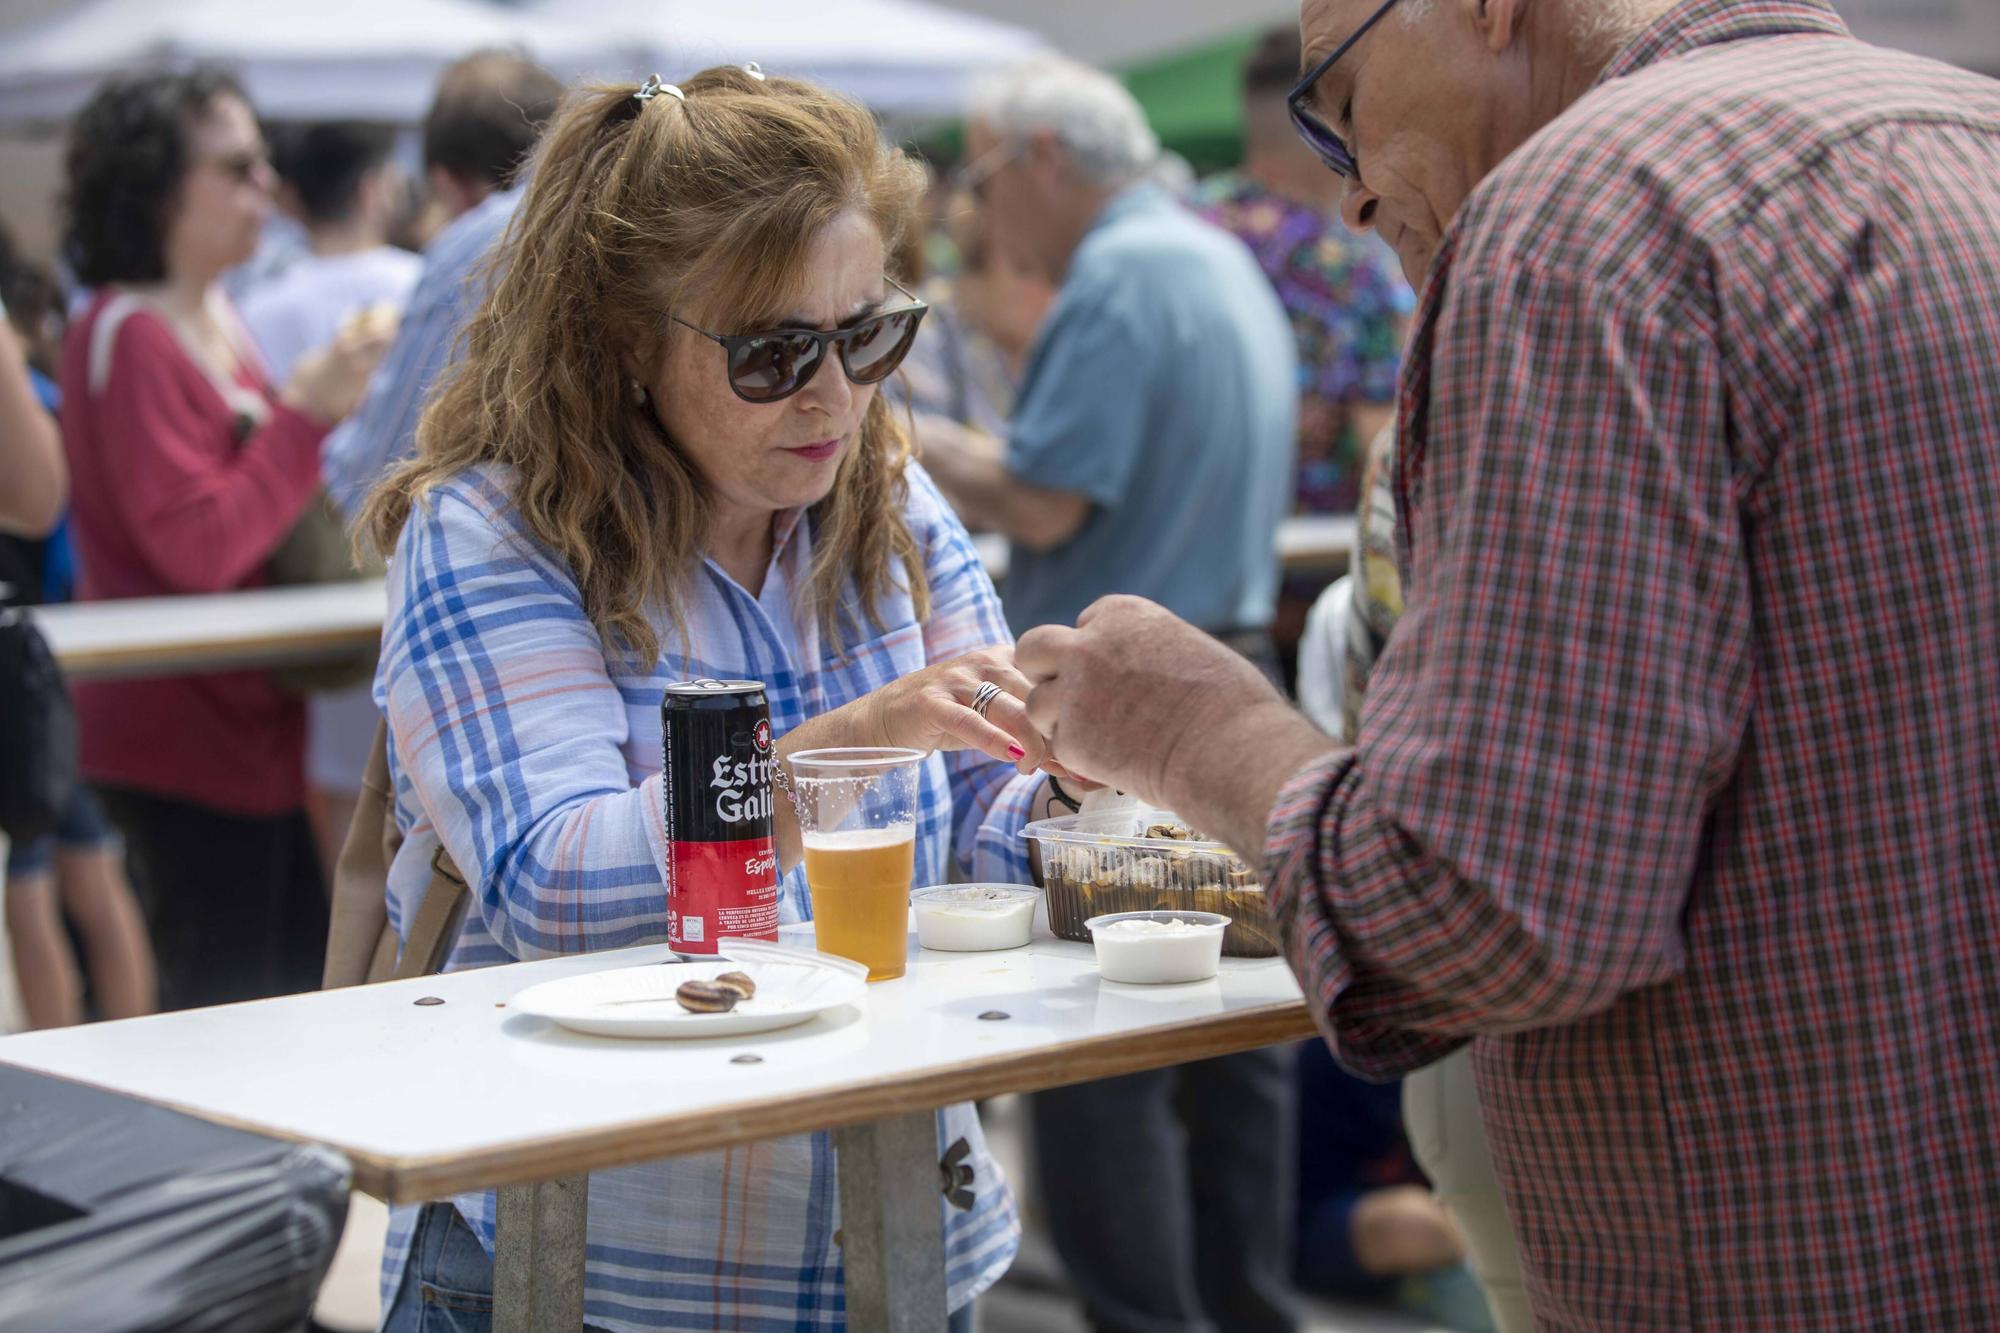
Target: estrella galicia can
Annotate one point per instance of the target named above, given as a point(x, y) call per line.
point(722, 861)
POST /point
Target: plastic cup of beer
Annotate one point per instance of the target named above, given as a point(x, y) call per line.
point(858, 820)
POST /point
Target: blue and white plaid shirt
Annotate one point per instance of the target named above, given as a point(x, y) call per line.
point(538, 766)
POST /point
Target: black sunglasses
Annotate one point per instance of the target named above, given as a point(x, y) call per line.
point(776, 363)
point(1330, 147)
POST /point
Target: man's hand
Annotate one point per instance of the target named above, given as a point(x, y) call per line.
point(940, 434)
point(1136, 697)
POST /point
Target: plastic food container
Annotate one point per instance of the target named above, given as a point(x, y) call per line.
point(973, 918)
point(1155, 948)
point(1094, 865)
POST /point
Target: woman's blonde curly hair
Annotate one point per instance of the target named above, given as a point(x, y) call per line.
point(635, 210)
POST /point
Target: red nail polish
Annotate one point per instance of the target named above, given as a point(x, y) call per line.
point(1016, 752)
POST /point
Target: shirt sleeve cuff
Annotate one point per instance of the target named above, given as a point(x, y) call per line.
point(653, 817)
point(999, 856)
point(1302, 876)
point(1057, 469)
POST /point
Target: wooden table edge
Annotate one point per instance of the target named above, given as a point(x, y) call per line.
point(414, 1179)
point(400, 1180)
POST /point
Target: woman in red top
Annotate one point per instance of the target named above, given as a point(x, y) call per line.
point(187, 472)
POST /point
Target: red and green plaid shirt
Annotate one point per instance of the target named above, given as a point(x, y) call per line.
point(1678, 786)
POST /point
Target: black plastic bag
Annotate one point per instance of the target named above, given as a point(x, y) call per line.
point(116, 1215)
point(37, 732)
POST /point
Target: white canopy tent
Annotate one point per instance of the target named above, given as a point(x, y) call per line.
point(379, 59)
point(901, 57)
point(1119, 32)
point(372, 59)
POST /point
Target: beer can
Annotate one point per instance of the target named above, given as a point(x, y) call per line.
point(722, 861)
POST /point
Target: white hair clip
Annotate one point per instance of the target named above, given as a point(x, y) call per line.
point(755, 71)
point(653, 87)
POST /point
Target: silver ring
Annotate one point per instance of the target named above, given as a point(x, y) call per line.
point(983, 697)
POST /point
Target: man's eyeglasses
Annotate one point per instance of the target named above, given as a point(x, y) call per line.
point(1330, 147)
point(972, 177)
point(765, 367)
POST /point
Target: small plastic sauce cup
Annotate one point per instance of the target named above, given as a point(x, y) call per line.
point(1155, 948)
point(974, 918)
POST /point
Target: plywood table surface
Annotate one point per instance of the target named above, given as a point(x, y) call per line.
point(264, 627)
point(1306, 542)
point(428, 1101)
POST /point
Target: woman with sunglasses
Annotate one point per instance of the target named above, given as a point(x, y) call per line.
point(188, 470)
point(665, 455)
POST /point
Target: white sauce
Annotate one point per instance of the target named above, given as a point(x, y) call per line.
point(1158, 949)
point(1140, 926)
point(973, 918)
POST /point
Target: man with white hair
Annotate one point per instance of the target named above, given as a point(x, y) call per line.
point(1675, 793)
point(1150, 452)
point(1153, 400)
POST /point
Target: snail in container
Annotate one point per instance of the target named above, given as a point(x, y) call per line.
point(1085, 881)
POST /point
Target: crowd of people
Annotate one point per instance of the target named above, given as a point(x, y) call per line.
point(1627, 811)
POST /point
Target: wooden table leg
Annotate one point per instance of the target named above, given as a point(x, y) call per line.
point(892, 1240)
point(538, 1257)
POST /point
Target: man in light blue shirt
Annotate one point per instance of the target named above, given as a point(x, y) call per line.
point(488, 111)
point(1151, 448)
point(1150, 453)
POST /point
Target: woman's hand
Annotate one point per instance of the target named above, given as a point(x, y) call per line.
point(927, 710)
point(327, 384)
point(931, 709)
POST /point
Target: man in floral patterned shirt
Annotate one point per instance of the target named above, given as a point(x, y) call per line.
point(1342, 291)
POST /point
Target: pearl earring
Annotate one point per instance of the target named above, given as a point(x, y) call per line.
point(637, 392)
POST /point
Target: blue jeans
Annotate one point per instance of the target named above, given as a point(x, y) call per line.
point(448, 1283)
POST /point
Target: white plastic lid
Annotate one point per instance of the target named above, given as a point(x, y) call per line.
point(1201, 922)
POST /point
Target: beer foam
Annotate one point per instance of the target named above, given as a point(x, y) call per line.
point(861, 839)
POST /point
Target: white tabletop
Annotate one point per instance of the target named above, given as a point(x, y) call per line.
point(431, 1100)
point(1317, 540)
point(1307, 542)
point(152, 636)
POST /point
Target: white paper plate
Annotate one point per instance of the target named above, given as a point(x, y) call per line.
point(793, 986)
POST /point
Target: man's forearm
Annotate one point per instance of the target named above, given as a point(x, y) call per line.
point(1226, 772)
point(974, 483)
point(986, 495)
